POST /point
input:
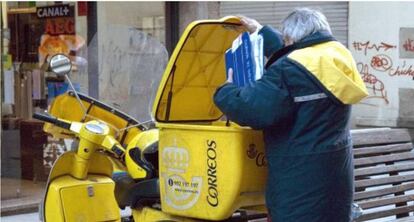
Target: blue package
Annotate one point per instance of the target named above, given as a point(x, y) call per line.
point(240, 58)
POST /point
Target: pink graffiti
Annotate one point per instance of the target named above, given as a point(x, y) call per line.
point(376, 86)
point(381, 62)
point(409, 45)
point(403, 70)
point(365, 46)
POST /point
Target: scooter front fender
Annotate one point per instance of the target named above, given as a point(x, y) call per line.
point(64, 192)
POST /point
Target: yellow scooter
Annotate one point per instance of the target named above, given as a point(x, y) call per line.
point(193, 167)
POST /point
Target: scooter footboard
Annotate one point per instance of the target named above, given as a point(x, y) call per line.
point(208, 172)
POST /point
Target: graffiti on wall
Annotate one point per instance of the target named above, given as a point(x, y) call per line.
point(376, 63)
point(403, 70)
point(373, 84)
point(372, 68)
point(406, 43)
point(368, 45)
point(381, 62)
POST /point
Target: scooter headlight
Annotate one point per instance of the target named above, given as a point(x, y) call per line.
point(96, 128)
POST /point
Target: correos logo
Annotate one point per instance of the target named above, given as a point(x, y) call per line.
point(213, 194)
point(176, 159)
point(180, 194)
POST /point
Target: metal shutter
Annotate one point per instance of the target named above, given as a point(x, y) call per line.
point(272, 13)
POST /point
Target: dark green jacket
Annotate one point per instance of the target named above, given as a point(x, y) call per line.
point(302, 105)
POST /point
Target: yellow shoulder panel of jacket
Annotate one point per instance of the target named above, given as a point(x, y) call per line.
point(332, 64)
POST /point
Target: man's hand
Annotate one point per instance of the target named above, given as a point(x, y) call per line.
point(230, 76)
point(250, 24)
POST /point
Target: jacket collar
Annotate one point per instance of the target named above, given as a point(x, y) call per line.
point(312, 39)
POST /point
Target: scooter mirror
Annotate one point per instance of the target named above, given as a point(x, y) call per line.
point(60, 64)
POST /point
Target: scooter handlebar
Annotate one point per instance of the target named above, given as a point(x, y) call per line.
point(51, 119)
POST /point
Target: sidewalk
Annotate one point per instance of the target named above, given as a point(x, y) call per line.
point(20, 196)
point(31, 217)
point(34, 217)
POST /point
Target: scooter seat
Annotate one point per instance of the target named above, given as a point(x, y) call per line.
point(145, 193)
point(128, 192)
point(123, 184)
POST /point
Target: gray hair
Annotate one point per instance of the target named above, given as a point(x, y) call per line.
point(303, 22)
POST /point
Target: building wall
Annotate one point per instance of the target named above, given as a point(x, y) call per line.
point(375, 41)
point(190, 11)
point(132, 54)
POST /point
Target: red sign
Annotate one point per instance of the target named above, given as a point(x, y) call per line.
point(59, 26)
point(82, 8)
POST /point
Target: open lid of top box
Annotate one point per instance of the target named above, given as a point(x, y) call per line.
point(194, 72)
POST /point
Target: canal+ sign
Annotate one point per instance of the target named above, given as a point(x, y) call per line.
point(57, 19)
point(55, 11)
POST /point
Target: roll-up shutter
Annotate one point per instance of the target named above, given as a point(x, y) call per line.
point(272, 13)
